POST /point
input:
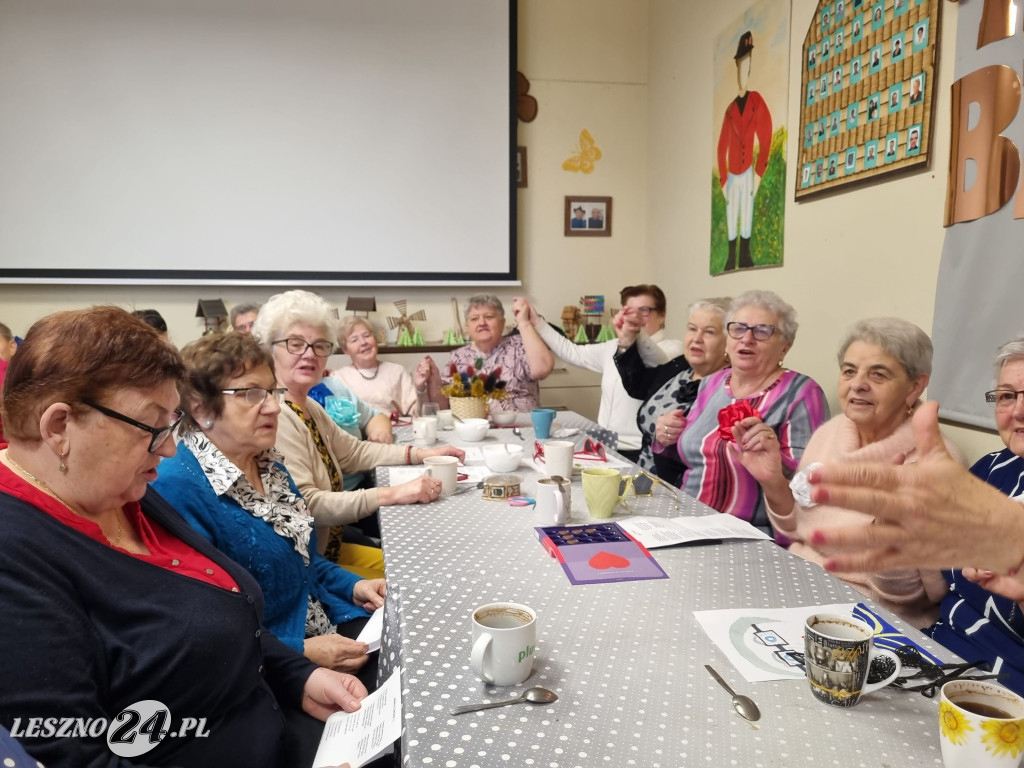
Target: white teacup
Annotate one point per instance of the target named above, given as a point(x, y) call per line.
point(424, 430)
point(445, 469)
point(558, 458)
point(504, 640)
point(981, 725)
point(554, 498)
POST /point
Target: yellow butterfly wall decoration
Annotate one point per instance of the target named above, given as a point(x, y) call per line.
point(583, 161)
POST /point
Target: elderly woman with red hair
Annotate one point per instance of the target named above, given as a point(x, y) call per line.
point(108, 596)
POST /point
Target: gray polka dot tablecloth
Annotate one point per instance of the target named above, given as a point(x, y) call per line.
point(626, 659)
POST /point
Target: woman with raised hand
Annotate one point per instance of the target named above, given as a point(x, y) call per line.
point(522, 357)
point(618, 409)
point(669, 389)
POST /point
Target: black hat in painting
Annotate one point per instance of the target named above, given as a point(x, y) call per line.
point(746, 45)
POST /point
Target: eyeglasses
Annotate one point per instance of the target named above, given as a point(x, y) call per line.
point(644, 484)
point(761, 331)
point(159, 434)
point(256, 395)
point(1003, 399)
point(643, 311)
point(297, 346)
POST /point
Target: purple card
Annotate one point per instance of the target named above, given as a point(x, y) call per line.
point(599, 553)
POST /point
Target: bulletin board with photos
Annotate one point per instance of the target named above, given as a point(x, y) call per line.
point(867, 90)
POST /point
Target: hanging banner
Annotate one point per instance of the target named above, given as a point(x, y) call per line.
point(978, 300)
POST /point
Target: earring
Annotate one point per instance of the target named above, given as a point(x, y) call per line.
point(208, 423)
point(62, 467)
point(910, 410)
point(780, 363)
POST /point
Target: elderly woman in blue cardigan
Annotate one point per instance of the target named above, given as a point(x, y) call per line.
point(231, 485)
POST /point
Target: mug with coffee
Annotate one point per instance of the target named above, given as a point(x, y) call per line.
point(445, 469)
point(504, 641)
point(837, 655)
point(981, 725)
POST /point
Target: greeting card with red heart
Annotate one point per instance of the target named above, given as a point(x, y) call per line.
point(604, 560)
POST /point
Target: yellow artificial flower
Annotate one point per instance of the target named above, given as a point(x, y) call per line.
point(1003, 738)
point(953, 724)
point(476, 388)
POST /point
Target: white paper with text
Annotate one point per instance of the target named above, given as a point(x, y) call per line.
point(356, 737)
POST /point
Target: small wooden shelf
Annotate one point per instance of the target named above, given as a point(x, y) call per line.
point(396, 350)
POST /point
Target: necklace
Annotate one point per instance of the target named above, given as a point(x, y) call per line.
point(42, 484)
point(368, 378)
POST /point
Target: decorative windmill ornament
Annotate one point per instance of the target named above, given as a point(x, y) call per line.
point(407, 333)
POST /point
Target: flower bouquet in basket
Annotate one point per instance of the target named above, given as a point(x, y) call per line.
point(471, 389)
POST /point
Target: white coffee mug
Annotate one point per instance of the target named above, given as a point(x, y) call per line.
point(558, 458)
point(424, 430)
point(445, 469)
point(553, 500)
point(504, 641)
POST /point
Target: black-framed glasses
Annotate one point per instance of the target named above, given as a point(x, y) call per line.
point(644, 311)
point(297, 346)
point(256, 395)
point(1003, 398)
point(761, 331)
point(159, 435)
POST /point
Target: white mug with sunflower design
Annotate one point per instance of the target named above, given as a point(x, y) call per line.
point(981, 725)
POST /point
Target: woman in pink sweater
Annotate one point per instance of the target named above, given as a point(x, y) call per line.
point(884, 366)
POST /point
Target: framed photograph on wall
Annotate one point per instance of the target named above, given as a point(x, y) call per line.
point(521, 167)
point(588, 216)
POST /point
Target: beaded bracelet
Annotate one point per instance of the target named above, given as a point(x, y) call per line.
point(408, 454)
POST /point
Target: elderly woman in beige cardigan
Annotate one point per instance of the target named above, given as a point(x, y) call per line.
point(298, 327)
point(884, 366)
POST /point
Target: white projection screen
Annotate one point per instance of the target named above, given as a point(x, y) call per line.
point(333, 142)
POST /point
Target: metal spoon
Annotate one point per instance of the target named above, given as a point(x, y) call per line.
point(532, 695)
point(743, 705)
point(518, 433)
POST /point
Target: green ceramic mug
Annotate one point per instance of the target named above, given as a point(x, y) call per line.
point(604, 489)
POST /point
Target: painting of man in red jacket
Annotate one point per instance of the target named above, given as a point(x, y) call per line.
point(747, 124)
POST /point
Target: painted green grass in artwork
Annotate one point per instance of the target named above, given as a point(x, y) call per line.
point(769, 212)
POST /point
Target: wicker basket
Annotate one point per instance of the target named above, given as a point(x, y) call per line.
point(469, 407)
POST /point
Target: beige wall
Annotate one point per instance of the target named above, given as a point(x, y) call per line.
point(870, 251)
point(638, 76)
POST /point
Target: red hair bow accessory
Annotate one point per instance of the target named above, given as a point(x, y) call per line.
point(729, 416)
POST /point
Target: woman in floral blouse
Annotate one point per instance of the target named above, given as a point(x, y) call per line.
point(230, 484)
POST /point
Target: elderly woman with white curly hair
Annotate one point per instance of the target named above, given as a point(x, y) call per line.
point(298, 327)
point(884, 366)
point(757, 404)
